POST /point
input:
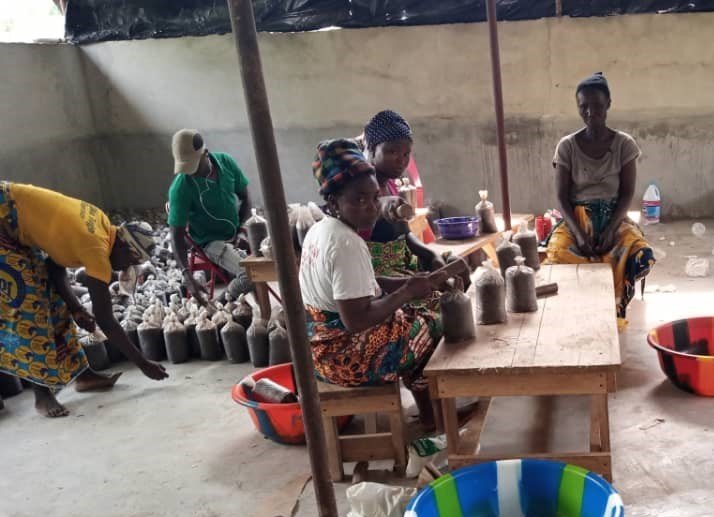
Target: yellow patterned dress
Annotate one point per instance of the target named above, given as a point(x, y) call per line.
point(38, 339)
point(631, 258)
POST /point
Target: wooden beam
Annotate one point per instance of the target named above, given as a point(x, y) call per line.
point(585, 383)
point(365, 447)
point(261, 128)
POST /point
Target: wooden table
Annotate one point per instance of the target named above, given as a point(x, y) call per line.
point(486, 241)
point(569, 347)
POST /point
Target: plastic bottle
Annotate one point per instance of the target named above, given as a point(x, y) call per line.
point(485, 211)
point(257, 228)
point(651, 205)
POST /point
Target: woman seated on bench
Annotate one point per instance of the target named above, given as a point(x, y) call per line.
point(596, 169)
point(394, 248)
point(362, 330)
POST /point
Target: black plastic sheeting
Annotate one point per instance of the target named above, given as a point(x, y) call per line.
point(90, 21)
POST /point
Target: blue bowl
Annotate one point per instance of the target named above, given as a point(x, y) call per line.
point(456, 228)
point(518, 488)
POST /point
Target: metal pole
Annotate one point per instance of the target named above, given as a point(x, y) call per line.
point(498, 102)
point(261, 126)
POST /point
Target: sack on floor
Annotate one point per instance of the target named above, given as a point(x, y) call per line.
point(368, 499)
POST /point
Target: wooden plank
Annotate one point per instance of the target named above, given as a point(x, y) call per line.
point(490, 251)
point(598, 462)
point(451, 424)
point(504, 384)
point(332, 445)
point(600, 314)
point(579, 325)
point(262, 296)
point(260, 269)
point(360, 406)
point(365, 447)
point(329, 391)
point(599, 424)
point(396, 428)
point(370, 423)
point(561, 333)
point(471, 436)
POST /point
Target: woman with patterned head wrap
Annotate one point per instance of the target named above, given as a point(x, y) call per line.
point(41, 233)
point(395, 250)
point(596, 170)
point(362, 329)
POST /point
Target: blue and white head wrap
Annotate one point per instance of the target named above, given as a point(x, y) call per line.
point(386, 126)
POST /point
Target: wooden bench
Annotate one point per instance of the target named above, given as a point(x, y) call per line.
point(570, 346)
point(336, 401)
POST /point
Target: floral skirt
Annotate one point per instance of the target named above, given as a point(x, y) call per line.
point(38, 338)
point(399, 347)
point(631, 258)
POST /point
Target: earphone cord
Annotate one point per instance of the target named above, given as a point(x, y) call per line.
point(219, 219)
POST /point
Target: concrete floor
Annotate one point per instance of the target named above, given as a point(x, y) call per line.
point(183, 448)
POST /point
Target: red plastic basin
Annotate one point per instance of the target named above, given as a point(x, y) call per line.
point(281, 423)
point(686, 353)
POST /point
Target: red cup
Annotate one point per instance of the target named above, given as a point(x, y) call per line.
point(540, 228)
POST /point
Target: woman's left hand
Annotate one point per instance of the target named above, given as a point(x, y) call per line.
point(84, 319)
point(606, 241)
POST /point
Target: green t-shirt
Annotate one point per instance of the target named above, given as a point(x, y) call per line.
point(209, 207)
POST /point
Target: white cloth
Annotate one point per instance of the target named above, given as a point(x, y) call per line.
point(335, 265)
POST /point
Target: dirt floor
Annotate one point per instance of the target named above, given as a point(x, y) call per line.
point(184, 448)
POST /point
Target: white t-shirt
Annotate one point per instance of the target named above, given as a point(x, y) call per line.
point(335, 265)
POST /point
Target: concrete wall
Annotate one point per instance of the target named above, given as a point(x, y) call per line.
point(46, 122)
point(327, 84)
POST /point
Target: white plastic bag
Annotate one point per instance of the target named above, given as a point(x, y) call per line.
point(423, 451)
point(697, 267)
point(368, 499)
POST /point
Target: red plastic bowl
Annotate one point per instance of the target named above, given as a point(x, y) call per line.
point(281, 423)
point(686, 353)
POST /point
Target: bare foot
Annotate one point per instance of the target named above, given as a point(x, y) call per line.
point(46, 404)
point(91, 381)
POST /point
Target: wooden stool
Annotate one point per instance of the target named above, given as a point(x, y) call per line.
point(336, 401)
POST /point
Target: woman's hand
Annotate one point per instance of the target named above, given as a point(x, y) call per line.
point(607, 240)
point(84, 319)
point(153, 370)
point(422, 285)
point(196, 289)
point(585, 244)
